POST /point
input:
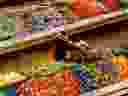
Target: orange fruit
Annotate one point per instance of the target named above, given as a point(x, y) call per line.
point(124, 71)
point(122, 60)
point(115, 60)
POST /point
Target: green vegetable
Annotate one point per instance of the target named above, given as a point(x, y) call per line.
point(7, 26)
point(91, 68)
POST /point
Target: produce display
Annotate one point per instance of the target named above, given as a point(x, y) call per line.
point(71, 9)
point(52, 85)
point(43, 8)
point(85, 77)
point(62, 12)
point(76, 68)
point(56, 79)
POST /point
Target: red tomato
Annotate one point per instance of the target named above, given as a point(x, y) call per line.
point(84, 7)
point(113, 4)
point(99, 12)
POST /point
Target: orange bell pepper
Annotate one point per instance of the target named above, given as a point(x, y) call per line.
point(84, 7)
point(124, 71)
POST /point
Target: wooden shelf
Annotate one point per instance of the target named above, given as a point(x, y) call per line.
point(34, 39)
point(113, 88)
point(95, 22)
point(70, 29)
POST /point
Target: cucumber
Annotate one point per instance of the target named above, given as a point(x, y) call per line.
point(7, 26)
point(10, 43)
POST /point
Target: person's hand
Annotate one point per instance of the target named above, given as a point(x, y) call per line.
point(84, 7)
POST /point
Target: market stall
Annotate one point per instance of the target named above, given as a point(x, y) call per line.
point(66, 52)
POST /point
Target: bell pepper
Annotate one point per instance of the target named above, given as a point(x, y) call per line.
point(84, 7)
